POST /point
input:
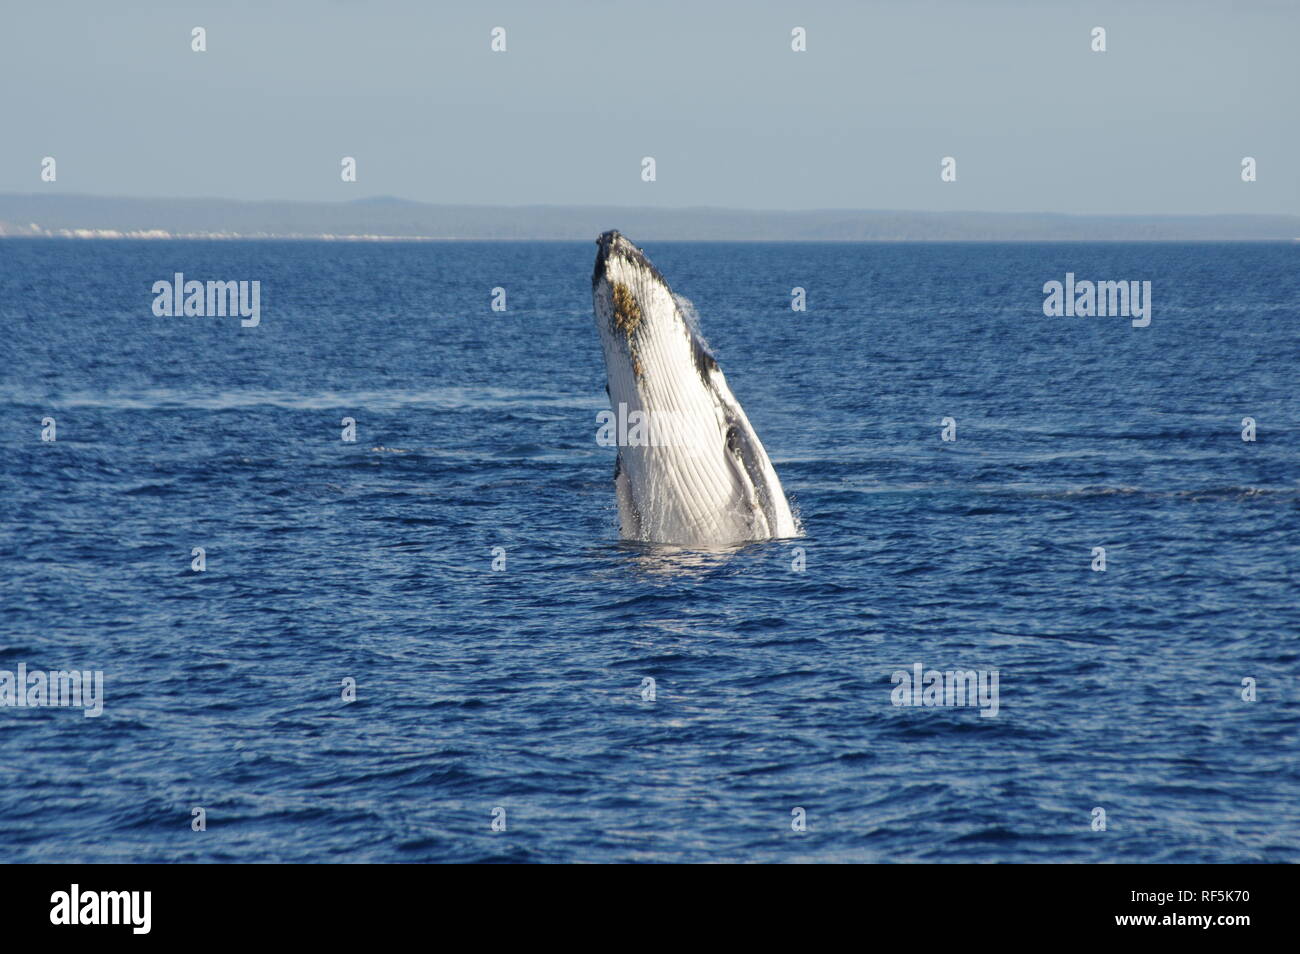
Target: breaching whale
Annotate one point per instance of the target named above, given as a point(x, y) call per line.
point(690, 470)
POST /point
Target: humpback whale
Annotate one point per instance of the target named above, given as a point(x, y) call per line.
point(694, 473)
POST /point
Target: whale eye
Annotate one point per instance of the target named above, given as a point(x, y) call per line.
point(733, 440)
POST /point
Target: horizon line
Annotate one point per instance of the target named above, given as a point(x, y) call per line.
point(398, 200)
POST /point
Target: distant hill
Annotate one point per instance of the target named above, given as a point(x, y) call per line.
point(386, 217)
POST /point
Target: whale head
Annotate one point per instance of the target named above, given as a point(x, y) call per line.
point(690, 469)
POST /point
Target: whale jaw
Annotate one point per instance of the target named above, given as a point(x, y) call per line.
point(694, 473)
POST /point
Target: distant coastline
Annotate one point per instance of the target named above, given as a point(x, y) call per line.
point(397, 220)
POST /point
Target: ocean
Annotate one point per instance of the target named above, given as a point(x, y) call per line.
point(428, 644)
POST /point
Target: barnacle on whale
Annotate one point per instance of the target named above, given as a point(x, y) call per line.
point(627, 313)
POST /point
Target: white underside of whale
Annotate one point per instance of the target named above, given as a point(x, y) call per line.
point(711, 482)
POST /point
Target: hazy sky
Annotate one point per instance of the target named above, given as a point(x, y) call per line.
point(1035, 119)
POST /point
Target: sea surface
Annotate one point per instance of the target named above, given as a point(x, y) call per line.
point(518, 695)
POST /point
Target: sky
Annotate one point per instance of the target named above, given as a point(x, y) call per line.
point(1035, 119)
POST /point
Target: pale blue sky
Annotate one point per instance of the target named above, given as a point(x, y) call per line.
point(1037, 122)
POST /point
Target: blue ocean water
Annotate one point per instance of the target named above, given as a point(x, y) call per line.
point(521, 689)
